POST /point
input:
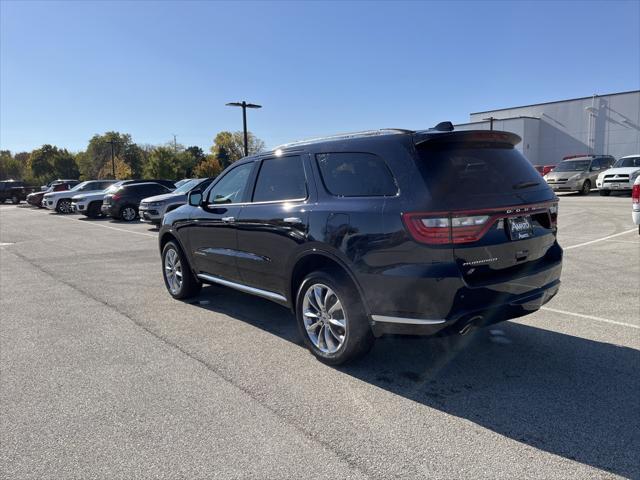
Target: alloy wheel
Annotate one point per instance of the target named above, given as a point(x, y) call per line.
point(324, 318)
point(173, 271)
point(128, 214)
point(65, 206)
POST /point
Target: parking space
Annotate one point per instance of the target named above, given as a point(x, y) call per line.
point(103, 375)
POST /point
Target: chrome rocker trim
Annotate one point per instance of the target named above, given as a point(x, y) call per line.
point(243, 288)
point(408, 321)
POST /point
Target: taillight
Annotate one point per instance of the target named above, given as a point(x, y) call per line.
point(635, 193)
point(115, 196)
point(553, 215)
point(450, 229)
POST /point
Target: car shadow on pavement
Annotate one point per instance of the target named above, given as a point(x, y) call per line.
point(567, 395)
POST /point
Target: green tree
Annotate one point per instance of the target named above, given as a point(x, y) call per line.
point(99, 153)
point(188, 159)
point(229, 146)
point(208, 167)
point(162, 163)
point(41, 163)
point(64, 165)
point(11, 166)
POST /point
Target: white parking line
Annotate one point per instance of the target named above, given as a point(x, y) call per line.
point(600, 239)
point(590, 317)
point(99, 225)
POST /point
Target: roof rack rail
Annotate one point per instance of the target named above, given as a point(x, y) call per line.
point(345, 136)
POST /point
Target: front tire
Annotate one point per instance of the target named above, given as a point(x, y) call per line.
point(64, 206)
point(331, 318)
point(586, 188)
point(93, 210)
point(128, 213)
point(180, 281)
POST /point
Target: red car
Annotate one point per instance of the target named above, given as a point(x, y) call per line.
point(544, 169)
point(35, 198)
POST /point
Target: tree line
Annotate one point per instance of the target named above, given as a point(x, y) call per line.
point(132, 160)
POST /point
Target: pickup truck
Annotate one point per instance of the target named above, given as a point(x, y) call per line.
point(13, 190)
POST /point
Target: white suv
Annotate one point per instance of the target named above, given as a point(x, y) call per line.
point(620, 177)
point(61, 201)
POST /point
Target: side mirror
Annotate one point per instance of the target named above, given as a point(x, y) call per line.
point(195, 198)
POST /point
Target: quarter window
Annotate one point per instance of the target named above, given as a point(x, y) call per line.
point(231, 187)
point(280, 179)
point(356, 175)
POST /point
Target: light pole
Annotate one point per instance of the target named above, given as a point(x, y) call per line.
point(244, 106)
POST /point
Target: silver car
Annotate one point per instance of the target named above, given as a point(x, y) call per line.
point(152, 209)
point(578, 173)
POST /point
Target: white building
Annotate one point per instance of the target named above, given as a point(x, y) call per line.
point(601, 124)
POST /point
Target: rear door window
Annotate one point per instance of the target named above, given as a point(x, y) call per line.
point(280, 179)
point(356, 175)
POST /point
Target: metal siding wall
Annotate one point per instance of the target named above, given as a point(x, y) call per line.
point(564, 126)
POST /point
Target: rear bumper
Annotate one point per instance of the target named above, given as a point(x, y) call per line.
point(435, 298)
point(513, 307)
point(109, 210)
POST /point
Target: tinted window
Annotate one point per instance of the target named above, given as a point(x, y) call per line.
point(280, 179)
point(454, 171)
point(231, 187)
point(356, 174)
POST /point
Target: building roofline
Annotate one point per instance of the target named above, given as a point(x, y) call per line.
point(498, 120)
point(555, 101)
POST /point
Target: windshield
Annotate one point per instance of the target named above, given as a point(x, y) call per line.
point(627, 162)
point(573, 166)
point(186, 187)
point(79, 186)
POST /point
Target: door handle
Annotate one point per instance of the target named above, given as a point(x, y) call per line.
point(228, 219)
point(292, 220)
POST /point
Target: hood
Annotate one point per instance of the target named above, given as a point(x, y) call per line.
point(619, 171)
point(67, 194)
point(555, 175)
point(174, 197)
point(97, 195)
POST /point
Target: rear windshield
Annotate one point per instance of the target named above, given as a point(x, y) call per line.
point(573, 166)
point(461, 170)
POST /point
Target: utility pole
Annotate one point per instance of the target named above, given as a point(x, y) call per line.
point(491, 119)
point(113, 162)
point(244, 106)
point(175, 144)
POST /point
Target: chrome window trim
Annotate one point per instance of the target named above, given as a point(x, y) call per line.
point(243, 288)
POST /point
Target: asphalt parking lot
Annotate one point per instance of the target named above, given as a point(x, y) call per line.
point(103, 375)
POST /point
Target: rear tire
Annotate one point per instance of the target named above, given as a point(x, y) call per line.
point(604, 193)
point(180, 281)
point(586, 188)
point(334, 336)
point(128, 213)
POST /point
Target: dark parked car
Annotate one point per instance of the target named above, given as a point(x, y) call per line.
point(71, 183)
point(392, 231)
point(123, 203)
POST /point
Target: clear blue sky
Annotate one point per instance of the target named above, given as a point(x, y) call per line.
point(70, 70)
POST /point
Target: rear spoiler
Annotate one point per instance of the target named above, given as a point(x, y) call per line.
point(485, 136)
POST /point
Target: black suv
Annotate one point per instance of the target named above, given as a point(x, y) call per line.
point(123, 203)
point(391, 231)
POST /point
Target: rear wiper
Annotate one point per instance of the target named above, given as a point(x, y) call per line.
point(520, 185)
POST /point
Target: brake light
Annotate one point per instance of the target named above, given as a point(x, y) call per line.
point(115, 196)
point(447, 229)
point(553, 215)
point(635, 193)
